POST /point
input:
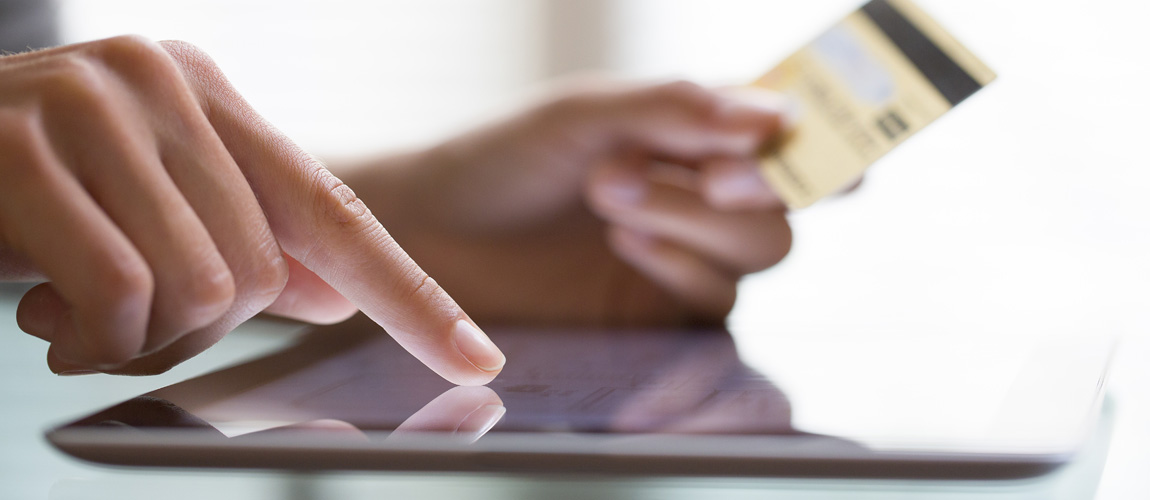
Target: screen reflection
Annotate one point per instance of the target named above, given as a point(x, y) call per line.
point(359, 384)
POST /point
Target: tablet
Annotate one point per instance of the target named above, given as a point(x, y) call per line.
point(631, 402)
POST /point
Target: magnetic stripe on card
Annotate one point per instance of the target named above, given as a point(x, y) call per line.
point(947, 76)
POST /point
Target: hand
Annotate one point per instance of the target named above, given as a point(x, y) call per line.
point(165, 211)
point(611, 204)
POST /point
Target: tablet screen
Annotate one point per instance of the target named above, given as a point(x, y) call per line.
point(981, 395)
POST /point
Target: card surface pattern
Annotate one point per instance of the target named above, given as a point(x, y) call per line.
point(874, 79)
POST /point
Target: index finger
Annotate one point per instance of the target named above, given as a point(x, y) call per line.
point(320, 222)
point(684, 122)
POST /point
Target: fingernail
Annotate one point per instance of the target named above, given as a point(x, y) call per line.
point(739, 184)
point(624, 189)
point(783, 105)
point(76, 373)
point(481, 420)
point(36, 324)
point(637, 239)
point(789, 113)
point(477, 347)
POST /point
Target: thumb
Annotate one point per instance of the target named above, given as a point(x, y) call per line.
point(684, 122)
point(307, 297)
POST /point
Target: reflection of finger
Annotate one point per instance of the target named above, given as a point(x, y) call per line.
point(731, 184)
point(706, 288)
point(465, 411)
point(743, 242)
point(307, 297)
point(326, 427)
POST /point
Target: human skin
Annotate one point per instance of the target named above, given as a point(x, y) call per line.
point(162, 211)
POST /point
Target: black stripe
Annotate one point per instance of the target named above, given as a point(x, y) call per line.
point(953, 82)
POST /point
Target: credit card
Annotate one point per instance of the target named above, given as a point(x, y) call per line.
point(871, 81)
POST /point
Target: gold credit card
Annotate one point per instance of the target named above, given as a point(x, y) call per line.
point(871, 81)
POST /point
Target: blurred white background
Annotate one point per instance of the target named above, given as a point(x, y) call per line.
point(1022, 212)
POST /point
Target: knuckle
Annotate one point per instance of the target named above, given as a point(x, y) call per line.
point(138, 60)
point(687, 93)
point(206, 296)
point(127, 285)
point(76, 80)
point(26, 164)
point(267, 282)
point(195, 61)
point(129, 49)
point(426, 288)
point(682, 89)
point(123, 302)
point(775, 246)
point(185, 50)
point(339, 204)
point(428, 295)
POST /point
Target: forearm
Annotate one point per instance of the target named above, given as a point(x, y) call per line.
point(471, 183)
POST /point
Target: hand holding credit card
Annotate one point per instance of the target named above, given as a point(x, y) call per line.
point(871, 81)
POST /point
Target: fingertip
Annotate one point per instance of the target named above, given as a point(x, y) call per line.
point(478, 349)
point(91, 348)
point(614, 184)
point(781, 106)
point(472, 378)
point(63, 368)
point(628, 242)
point(38, 310)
